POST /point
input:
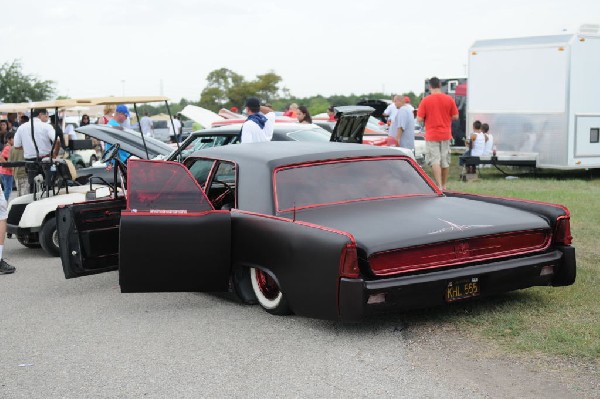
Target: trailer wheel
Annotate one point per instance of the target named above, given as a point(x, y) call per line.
point(49, 237)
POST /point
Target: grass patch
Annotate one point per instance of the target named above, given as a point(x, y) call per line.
point(557, 321)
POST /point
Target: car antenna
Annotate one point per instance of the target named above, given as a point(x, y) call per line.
point(172, 124)
point(294, 219)
point(141, 133)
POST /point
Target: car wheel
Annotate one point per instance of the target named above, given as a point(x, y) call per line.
point(268, 294)
point(49, 237)
point(93, 159)
point(242, 285)
point(29, 240)
point(80, 165)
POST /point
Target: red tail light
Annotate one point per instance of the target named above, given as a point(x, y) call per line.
point(562, 232)
point(349, 262)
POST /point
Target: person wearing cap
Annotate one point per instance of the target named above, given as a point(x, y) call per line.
point(120, 116)
point(253, 130)
point(41, 147)
point(118, 120)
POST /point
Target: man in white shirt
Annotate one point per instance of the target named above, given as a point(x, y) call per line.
point(44, 136)
point(393, 128)
point(253, 130)
point(41, 147)
point(176, 135)
point(146, 125)
point(391, 108)
point(408, 104)
point(268, 112)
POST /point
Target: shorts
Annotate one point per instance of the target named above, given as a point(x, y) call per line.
point(3, 206)
point(438, 153)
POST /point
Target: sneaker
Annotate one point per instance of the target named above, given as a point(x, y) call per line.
point(5, 268)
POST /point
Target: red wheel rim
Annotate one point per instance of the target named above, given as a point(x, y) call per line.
point(268, 287)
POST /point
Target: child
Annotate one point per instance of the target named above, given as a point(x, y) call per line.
point(6, 173)
point(489, 140)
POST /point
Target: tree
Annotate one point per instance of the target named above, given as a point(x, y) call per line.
point(226, 88)
point(17, 87)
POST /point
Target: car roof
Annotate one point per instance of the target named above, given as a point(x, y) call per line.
point(277, 153)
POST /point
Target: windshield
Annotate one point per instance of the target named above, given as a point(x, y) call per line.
point(201, 142)
point(314, 134)
point(298, 187)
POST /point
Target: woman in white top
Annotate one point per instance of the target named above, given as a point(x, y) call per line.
point(489, 140)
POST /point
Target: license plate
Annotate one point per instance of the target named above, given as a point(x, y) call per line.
point(462, 289)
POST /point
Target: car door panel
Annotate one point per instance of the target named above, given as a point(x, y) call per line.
point(171, 252)
point(88, 236)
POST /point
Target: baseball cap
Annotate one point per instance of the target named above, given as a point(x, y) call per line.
point(252, 102)
point(122, 109)
point(406, 99)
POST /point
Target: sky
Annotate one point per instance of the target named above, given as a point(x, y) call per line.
point(152, 47)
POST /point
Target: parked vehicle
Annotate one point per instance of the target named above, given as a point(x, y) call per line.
point(32, 217)
point(324, 230)
point(539, 96)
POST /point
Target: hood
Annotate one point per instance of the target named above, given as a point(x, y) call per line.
point(351, 123)
point(379, 106)
point(129, 140)
point(382, 225)
point(201, 115)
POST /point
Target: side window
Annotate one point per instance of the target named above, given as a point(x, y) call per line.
point(200, 169)
point(222, 189)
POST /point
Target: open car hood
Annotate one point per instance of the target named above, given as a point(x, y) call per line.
point(129, 140)
point(201, 115)
point(379, 106)
point(351, 123)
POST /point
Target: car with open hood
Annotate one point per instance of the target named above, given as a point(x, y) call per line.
point(33, 219)
point(325, 230)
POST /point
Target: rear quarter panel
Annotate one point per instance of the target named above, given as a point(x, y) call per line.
point(305, 259)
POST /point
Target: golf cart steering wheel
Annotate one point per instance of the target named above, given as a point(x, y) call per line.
point(110, 153)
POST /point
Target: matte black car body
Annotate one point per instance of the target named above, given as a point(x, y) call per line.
point(175, 232)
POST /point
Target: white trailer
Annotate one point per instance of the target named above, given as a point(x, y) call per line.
point(541, 96)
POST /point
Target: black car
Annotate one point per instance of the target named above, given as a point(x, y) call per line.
point(325, 230)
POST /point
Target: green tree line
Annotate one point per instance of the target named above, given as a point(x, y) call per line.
point(225, 89)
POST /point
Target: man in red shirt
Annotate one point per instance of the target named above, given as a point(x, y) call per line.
point(438, 110)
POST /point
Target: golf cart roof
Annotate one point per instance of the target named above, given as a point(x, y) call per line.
point(122, 100)
point(14, 107)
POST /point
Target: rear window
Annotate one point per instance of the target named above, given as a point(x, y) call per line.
point(316, 134)
point(160, 125)
point(348, 180)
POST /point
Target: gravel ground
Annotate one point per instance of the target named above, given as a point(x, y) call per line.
point(82, 338)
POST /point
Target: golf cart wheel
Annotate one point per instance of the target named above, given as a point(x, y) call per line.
point(49, 237)
point(30, 240)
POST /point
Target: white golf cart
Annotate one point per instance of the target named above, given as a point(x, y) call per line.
point(31, 217)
